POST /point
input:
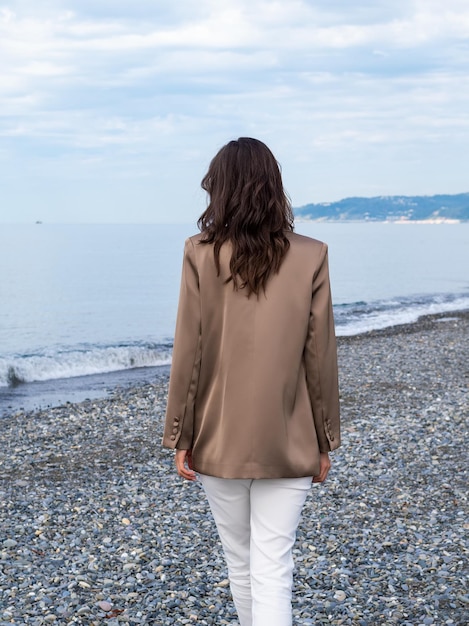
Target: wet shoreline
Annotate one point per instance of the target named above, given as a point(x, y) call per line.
point(95, 520)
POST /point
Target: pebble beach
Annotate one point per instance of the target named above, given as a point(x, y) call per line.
point(97, 528)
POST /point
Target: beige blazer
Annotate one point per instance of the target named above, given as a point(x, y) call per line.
point(253, 387)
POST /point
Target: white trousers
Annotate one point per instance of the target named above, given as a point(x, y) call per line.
point(257, 522)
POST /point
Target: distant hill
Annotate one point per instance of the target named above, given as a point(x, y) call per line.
point(390, 208)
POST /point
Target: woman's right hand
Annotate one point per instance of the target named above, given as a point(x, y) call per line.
point(182, 459)
point(324, 467)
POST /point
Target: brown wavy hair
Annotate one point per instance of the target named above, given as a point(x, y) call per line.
point(247, 206)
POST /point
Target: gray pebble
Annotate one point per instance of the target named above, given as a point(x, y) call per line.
point(386, 528)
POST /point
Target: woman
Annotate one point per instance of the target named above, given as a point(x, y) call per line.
point(253, 398)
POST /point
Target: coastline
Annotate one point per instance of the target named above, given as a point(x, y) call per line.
point(400, 220)
point(94, 513)
point(47, 394)
point(44, 395)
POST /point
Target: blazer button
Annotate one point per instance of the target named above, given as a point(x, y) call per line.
point(332, 437)
point(175, 430)
point(173, 437)
point(176, 420)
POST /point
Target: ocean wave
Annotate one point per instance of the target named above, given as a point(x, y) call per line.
point(50, 365)
point(356, 319)
point(350, 318)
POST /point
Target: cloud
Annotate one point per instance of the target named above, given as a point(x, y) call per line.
point(129, 88)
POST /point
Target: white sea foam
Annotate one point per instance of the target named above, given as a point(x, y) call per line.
point(394, 313)
point(351, 319)
point(50, 365)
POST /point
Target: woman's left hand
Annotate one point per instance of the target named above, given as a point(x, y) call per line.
point(183, 458)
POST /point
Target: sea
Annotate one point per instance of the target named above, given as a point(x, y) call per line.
point(85, 308)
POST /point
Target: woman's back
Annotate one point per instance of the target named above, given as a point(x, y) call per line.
point(259, 394)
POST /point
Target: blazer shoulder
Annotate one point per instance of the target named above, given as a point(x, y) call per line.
point(304, 240)
point(307, 244)
point(191, 245)
point(295, 240)
point(194, 239)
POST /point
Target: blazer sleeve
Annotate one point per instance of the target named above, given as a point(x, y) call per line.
point(321, 360)
point(185, 366)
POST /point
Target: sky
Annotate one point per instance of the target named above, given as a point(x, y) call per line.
point(110, 110)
